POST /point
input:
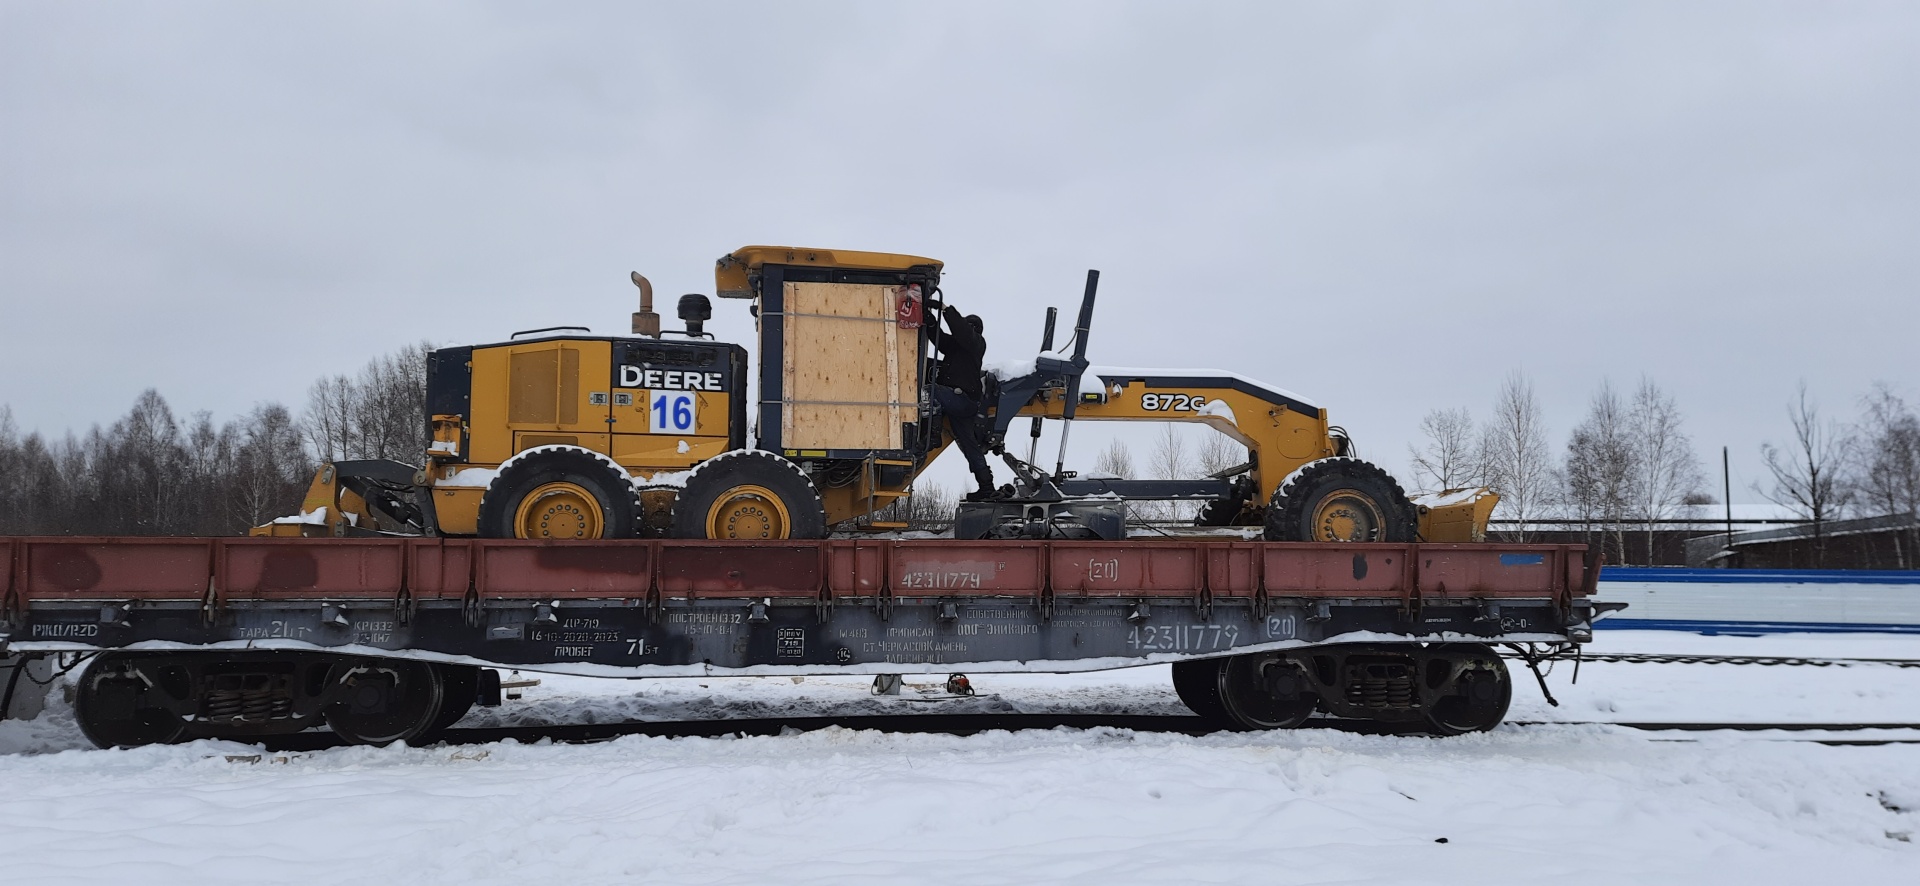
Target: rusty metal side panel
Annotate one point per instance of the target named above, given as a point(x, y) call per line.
point(695, 569)
point(1459, 572)
point(1336, 570)
point(439, 569)
point(938, 568)
point(308, 569)
point(1104, 569)
point(857, 568)
point(1233, 570)
point(557, 570)
point(113, 568)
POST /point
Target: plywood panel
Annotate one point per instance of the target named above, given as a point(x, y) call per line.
point(844, 370)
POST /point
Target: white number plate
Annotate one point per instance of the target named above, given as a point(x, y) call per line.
point(672, 412)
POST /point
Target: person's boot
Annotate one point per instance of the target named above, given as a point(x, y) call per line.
point(986, 492)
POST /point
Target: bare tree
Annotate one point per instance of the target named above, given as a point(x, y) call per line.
point(377, 414)
point(1884, 473)
point(1806, 473)
point(1665, 468)
point(1116, 460)
point(1448, 460)
point(1597, 474)
point(1171, 461)
point(328, 422)
point(1513, 454)
point(270, 470)
point(1219, 453)
point(12, 473)
point(929, 507)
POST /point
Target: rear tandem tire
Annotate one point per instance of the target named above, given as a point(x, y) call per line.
point(560, 492)
point(749, 494)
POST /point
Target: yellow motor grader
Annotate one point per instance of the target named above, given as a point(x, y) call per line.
point(557, 433)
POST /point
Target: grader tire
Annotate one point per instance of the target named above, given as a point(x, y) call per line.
point(1341, 500)
point(560, 493)
point(749, 494)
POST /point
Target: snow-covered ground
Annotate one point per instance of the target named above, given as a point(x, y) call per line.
point(1568, 802)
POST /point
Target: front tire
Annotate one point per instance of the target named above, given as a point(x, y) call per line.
point(1341, 500)
point(749, 494)
point(560, 492)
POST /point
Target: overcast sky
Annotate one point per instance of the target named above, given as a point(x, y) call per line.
point(1384, 207)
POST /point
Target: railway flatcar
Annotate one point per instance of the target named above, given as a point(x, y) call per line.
point(394, 639)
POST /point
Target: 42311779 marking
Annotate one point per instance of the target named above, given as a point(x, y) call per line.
point(1182, 638)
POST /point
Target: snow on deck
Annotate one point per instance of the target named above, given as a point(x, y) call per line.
point(1525, 804)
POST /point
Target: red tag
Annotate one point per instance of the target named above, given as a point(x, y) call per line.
point(906, 308)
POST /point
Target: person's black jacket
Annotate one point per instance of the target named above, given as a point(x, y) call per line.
point(961, 350)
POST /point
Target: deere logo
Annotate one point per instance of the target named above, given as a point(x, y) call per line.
point(668, 379)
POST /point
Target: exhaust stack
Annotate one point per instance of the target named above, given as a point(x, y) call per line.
point(645, 321)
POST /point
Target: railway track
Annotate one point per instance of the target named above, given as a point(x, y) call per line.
point(1764, 661)
point(973, 724)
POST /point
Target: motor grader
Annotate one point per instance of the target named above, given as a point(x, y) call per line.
point(560, 434)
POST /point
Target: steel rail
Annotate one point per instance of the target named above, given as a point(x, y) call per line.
point(1762, 660)
point(973, 724)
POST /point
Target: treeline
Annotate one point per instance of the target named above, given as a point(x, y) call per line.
point(152, 472)
point(1629, 466)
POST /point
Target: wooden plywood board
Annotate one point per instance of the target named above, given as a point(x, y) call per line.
point(850, 372)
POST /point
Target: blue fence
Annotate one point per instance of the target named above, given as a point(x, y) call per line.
point(1740, 601)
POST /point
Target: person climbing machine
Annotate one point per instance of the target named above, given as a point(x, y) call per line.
point(957, 389)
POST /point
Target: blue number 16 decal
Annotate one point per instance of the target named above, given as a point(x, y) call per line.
point(671, 412)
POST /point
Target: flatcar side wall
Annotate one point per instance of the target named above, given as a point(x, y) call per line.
point(784, 607)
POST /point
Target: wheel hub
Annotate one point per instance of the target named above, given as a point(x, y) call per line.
point(1347, 517)
point(559, 510)
point(748, 512)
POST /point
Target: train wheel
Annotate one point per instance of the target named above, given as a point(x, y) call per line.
point(386, 701)
point(1198, 685)
point(459, 689)
point(113, 705)
point(749, 494)
point(1264, 692)
point(560, 492)
point(1341, 500)
point(1483, 690)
